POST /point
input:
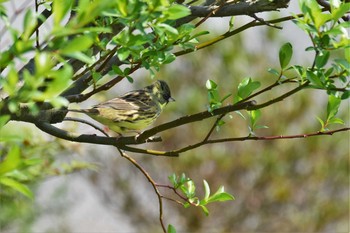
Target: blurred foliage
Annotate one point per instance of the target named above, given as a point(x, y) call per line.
point(27, 159)
point(298, 185)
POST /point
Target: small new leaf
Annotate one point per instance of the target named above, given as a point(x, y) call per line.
point(171, 229)
point(206, 189)
point(246, 87)
point(177, 11)
point(15, 185)
point(274, 72)
point(332, 106)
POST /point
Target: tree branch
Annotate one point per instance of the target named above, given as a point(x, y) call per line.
point(255, 138)
point(234, 32)
point(193, 118)
point(239, 8)
point(154, 185)
point(232, 9)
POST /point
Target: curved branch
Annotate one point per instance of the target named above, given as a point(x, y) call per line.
point(154, 185)
point(119, 142)
point(256, 138)
point(145, 136)
point(87, 138)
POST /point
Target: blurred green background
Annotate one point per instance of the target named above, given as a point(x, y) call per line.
point(294, 185)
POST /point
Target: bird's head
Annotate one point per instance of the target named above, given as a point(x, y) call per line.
point(161, 91)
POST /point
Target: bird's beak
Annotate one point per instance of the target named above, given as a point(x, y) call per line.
point(171, 99)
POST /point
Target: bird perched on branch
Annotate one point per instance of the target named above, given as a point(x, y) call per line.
point(132, 111)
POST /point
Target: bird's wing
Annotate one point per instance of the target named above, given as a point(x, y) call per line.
point(129, 101)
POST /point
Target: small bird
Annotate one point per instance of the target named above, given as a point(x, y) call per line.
point(134, 110)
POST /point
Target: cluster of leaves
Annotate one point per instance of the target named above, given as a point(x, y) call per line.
point(327, 36)
point(188, 189)
point(24, 162)
point(83, 36)
point(326, 73)
point(144, 34)
point(140, 33)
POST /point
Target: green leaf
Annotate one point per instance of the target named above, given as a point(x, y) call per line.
point(115, 70)
point(231, 23)
point(173, 180)
point(345, 95)
point(225, 97)
point(339, 8)
point(130, 79)
point(43, 63)
point(123, 53)
point(60, 9)
point(169, 57)
point(240, 114)
point(322, 59)
point(314, 79)
point(191, 189)
point(223, 196)
point(246, 87)
point(206, 190)
point(81, 56)
point(78, 44)
point(285, 54)
point(332, 106)
point(177, 11)
point(274, 71)
point(201, 33)
point(10, 82)
point(162, 28)
point(336, 120)
point(313, 12)
point(183, 179)
point(12, 161)
point(322, 124)
point(122, 7)
point(3, 120)
point(171, 229)
point(205, 210)
point(15, 185)
point(29, 24)
point(254, 117)
point(211, 85)
point(61, 80)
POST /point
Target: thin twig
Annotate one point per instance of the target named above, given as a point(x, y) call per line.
point(175, 191)
point(251, 24)
point(149, 178)
point(194, 117)
point(147, 151)
point(173, 200)
point(265, 22)
point(213, 127)
point(256, 138)
point(37, 29)
point(210, 14)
